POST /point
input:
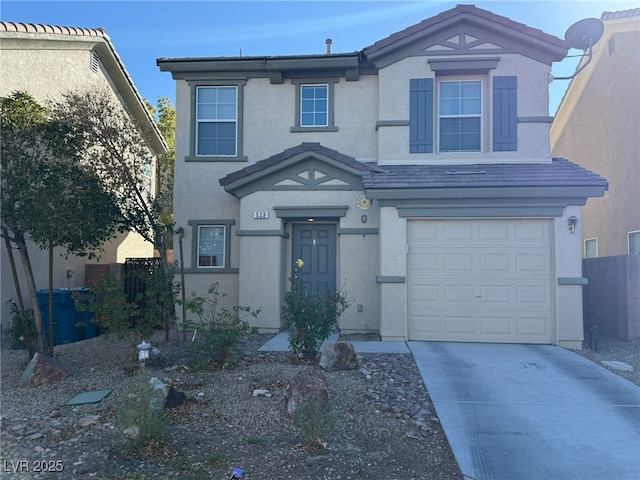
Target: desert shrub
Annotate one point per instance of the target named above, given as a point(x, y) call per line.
point(218, 330)
point(114, 313)
point(316, 422)
point(310, 318)
point(16, 330)
point(141, 415)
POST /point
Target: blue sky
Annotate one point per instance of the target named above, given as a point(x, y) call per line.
point(144, 31)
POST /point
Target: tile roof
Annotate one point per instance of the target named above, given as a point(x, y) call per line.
point(54, 29)
point(465, 9)
point(304, 147)
point(559, 172)
point(102, 41)
point(620, 14)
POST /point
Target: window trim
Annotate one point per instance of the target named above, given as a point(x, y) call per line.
point(195, 228)
point(299, 83)
point(239, 156)
point(637, 232)
point(585, 246)
point(439, 117)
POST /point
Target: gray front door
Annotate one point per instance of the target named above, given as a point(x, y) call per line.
point(315, 245)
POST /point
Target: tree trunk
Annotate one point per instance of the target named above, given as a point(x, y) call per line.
point(16, 282)
point(51, 319)
point(39, 344)
point(170, 325)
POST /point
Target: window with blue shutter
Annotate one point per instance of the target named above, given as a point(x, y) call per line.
point(421, 115)
point(505, 114)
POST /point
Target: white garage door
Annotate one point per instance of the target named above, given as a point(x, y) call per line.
point(479, 280)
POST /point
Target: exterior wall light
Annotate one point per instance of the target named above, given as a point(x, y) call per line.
point(573, 221)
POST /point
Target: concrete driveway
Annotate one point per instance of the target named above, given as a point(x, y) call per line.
point(539, 412)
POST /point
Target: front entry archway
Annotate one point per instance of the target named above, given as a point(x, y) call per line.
point(315, 245)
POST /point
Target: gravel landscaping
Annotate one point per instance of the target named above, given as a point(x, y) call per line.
point(384, 426)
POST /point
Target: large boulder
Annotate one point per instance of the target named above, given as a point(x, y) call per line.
point(43, 370)
point(307, 387)
point(338, 356)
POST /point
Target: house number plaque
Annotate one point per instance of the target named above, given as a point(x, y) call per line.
point(261, 215)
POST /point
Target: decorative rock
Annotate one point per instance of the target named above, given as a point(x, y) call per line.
point(88, 420)
point(309, 385)
point(261, 392)
point(132, 431)
point(43, 370)
point(158, 386)
point(174, 398)
point(338, 356)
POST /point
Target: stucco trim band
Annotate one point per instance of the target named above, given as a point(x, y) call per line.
point(390, 279)
point(573, 281)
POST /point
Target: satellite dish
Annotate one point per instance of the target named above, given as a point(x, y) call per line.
point(584, 33)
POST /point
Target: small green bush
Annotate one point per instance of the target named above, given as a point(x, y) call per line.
point(142, 407)
point(16, 330)
point(310, 318)
point(218, 330)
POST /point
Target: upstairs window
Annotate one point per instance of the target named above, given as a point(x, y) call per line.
point(314, 105)
point(216, 121)
point(451, 116)
point(460, 116)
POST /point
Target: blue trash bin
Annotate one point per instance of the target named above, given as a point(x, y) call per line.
point(65, 317)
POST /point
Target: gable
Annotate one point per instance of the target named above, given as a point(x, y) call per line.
point(467, 30)
point(306, 167)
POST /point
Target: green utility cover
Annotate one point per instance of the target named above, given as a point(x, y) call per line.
point(88, 397)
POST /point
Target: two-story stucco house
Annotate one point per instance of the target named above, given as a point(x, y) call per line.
point(47, 61)
point(414, 174)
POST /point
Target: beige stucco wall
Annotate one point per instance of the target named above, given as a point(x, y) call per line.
point(568, 265)
point(597, 127)
point(45, 69)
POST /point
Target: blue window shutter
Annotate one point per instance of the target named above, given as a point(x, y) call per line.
point(505, 114)
point(421, 115)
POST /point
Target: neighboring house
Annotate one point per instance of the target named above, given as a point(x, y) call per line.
point(415, 174)
point(46, 61)
point(598, 125)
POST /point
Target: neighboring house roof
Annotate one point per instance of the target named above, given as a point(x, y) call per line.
point(635, 12)
point(559, 172)
point(110, 59)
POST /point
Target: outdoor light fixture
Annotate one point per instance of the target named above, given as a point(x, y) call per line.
point(180, 231)
point(572, 224)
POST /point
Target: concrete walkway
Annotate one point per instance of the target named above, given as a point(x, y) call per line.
point(280, 343)
point(516, 412)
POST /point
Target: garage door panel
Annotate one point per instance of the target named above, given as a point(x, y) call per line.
point(494, 325)
point(459, 293)
point(532, 262)
point(460, 324)
point(456, 231)
point(531, 327)
point(460, 262)
point(479, 280)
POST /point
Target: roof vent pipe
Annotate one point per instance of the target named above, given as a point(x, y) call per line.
point(328, 41)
